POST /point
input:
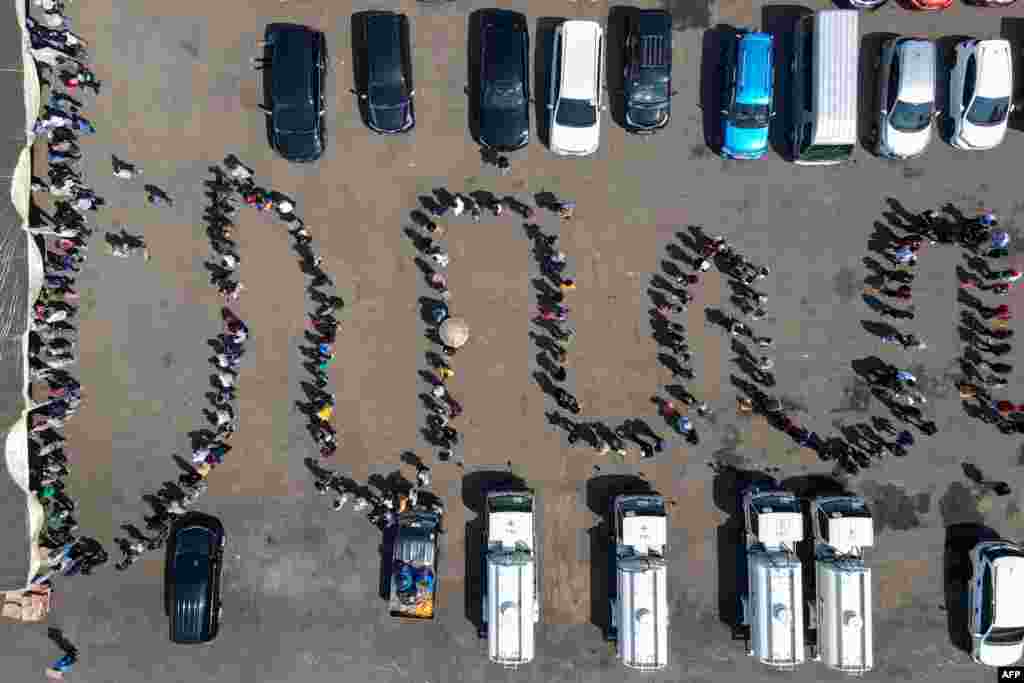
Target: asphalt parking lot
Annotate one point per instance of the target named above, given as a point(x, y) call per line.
point(300, 580)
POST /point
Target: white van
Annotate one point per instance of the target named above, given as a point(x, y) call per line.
point(511, 605)
point(824, 77)
point(574, 105)
point(842, 529)
point(995, 595)
point(640, 608)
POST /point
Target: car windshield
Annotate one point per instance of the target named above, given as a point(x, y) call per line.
point(988, 111)
point(1006, 636)
point(293, 119)
point(749, 115)
point(386, 96)
point(910, 118)
point(650, 94)
point(576, 113)
point(505, 95)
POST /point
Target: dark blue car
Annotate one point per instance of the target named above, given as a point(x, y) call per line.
point(298, 65)
point(195, 553)
point(504, 83)
point(383, 65)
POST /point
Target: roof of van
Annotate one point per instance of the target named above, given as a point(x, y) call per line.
point(994, 61)
point(383, 40)
point(754, 71)
point(836, 45)
point(848, 533)
point(1008, 589)
point(581, 41)
point(293, 65)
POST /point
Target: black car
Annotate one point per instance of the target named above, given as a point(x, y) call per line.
point(647, 76)
point(383, 65)
point(504, 85)
point(296, 67)
point(195, 553)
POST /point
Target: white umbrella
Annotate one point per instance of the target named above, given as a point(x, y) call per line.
point(454, 332)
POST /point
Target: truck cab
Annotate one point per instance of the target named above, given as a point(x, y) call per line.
point(511, 605)
point(639, 606)
point(773, 605)
point(414, 566)
point(842, 529)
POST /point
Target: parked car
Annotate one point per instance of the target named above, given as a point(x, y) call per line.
point(980, 87)
point(748, 83)
point(574, 104)
point(383, 64)
point(867, 4)
point(990, 3)
point(647, 76)
point(298, 65)
point(930, 5)
point(504, 83)
point(906, 97)
point(195, 553)
point(996, 621)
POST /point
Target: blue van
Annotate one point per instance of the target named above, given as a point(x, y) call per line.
point(747, 104)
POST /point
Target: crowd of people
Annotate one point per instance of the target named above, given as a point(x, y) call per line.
point(394, 494)
point(231, 185)
point(983, 328)
point(55, 394)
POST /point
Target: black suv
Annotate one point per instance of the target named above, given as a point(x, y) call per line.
point(504, 85)
point(296, 65)
point(383, 69)
point(647, 76)
point(195, 553)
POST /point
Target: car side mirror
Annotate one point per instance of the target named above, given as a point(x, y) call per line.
point(412, 92)
point(725, 112)
point(265, 109)
point(771, 114)
point(549, 106)
point(322, 112)
point(673, 93)
point(604, 107)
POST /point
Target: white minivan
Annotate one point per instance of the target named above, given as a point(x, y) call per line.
point(574, 103)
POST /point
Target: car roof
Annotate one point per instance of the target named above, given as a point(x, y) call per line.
point(293, 58)
point(995, 69)
point(917, 70)
point(654, 21)
point(384, 46)
point(580, 54)
point(1008, 590)
point(504, 32)
point(754, 69)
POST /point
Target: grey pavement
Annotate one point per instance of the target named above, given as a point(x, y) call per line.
point(300, 583)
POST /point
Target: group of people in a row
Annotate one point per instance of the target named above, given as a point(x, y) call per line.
point(381, 509)
point(55, 394)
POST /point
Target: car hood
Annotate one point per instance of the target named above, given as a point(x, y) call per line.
point(647, 117)
point(999, 655)
point(907, 144)
point(569, 140)
point(982, 137)
point(745, 140)
point(505, 128)
point(391, 119)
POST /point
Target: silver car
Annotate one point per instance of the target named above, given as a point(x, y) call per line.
point(906, 97)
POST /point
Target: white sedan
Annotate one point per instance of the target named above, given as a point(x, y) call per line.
point(574, 104)
point(980, 86)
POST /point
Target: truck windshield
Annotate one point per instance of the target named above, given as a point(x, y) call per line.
point(827, 153)
point(522, 503)
point(1006, 636)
